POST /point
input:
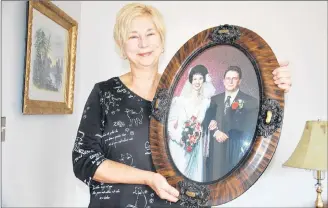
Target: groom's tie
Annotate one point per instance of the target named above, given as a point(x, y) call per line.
point(227, 104)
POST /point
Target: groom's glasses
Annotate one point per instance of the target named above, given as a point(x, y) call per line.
point(234, 79)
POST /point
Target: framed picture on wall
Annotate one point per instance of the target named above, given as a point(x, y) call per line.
point(216, 115)
point(50, 60)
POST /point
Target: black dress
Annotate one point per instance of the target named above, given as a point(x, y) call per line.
point(115, 125)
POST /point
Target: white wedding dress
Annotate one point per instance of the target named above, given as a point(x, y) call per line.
point(190, 164)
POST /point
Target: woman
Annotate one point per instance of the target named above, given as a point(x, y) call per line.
point(111, 152)
point(191, 104)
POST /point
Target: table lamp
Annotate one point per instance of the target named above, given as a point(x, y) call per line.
point(311, 153)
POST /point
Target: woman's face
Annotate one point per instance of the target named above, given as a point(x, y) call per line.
point(197, 81)
point(143, 46)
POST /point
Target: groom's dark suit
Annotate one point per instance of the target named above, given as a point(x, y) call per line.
point(238, 124)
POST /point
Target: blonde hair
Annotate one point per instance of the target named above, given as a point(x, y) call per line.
point(131, 11)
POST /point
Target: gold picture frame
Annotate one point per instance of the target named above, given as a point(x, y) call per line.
point(50, 60)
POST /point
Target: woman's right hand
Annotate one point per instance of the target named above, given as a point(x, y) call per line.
point(162, 188)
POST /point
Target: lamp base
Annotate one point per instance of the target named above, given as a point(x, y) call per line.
point(318, 201)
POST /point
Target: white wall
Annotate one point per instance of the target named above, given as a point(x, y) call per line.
point(0, 116)
point(296, 31)
point(36, 158)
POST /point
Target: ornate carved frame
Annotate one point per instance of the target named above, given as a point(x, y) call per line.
point(269, 121)
point(57, 15)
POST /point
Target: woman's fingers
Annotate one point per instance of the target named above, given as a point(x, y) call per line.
point(283, 63)
point(282, 77)
point(163, 189)
point(282, 74)
point(283, 81)
point(283, 66)
point(165, 195)
point(285, 87)
point(172, 191)
point(283, 71)
point(168, 192)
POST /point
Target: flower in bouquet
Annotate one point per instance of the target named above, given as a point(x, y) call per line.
point(191, 133)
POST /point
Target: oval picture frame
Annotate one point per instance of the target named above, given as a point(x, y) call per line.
point(268, 120)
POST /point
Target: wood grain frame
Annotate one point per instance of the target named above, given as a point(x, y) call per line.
point(57, 15)
point(267, 134)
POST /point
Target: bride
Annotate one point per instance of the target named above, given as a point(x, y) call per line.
point(187, 149)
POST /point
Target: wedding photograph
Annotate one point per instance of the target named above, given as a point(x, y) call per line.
point(213, 113)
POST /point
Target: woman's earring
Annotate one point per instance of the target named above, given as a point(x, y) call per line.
point(163, 50)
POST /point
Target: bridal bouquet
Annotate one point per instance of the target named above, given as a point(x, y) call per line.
point(191, 133)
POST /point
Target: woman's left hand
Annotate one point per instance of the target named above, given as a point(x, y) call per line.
point(282, 77)
point(162, 188)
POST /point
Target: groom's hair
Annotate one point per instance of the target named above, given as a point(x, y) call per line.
point(233, 68)
point(198, 69)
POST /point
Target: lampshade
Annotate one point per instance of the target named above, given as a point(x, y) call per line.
point(311, 151)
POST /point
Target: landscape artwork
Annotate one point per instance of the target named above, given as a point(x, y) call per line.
point(48, 59)
point(51, 42)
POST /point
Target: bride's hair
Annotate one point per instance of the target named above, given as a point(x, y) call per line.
point(207, 89)
point(198, 69)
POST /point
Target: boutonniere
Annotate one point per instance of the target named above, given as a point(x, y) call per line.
point(239, 104)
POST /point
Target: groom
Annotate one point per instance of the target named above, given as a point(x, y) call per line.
point(231, 120)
